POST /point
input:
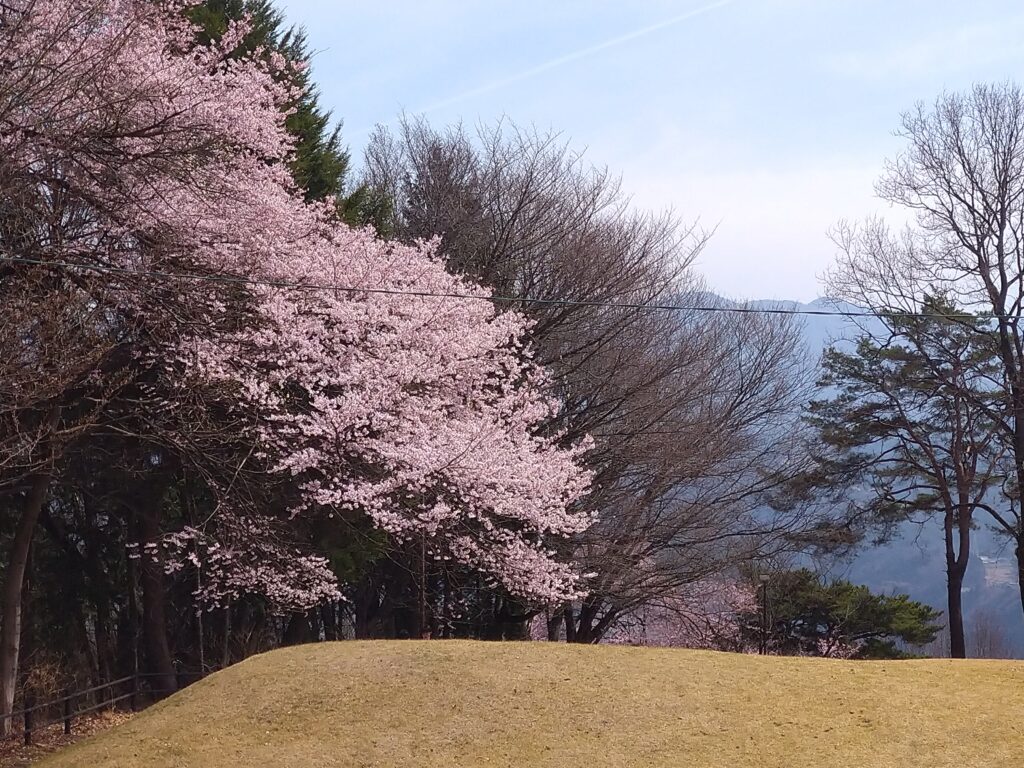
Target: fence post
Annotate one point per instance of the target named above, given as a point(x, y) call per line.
point(30, 702)
point(135, 692)
point(67, 712)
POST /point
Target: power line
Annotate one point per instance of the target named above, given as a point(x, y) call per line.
point(493, 298)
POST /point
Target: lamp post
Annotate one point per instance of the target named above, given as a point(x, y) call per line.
point(764, 614)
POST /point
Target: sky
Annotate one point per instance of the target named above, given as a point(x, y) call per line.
point(767, 120)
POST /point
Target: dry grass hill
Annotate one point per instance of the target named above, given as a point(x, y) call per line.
point(469, 704)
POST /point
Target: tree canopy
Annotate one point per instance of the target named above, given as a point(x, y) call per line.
point(810, 617)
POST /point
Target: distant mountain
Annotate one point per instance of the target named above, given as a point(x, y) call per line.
point(822, 330)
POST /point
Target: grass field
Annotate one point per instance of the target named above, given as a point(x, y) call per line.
point(464, 704)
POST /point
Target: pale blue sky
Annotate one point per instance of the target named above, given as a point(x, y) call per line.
point(767, 118)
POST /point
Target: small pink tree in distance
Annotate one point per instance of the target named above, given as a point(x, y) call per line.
point(709, 614)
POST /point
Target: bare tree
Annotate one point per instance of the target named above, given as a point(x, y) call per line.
point(988, 637)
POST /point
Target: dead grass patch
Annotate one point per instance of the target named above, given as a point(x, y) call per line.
point(14, 753)
point(466, 704)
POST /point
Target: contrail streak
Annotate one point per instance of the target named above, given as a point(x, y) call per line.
point(574, 56)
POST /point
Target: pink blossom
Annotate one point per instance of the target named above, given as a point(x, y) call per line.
point(425, 415)
point(708, 614)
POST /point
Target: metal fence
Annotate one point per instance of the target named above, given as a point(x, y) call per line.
point(36, 716)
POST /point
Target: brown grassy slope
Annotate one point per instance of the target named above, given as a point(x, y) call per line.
point(465, 704)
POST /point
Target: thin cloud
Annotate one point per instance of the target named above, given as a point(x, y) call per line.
point(950, 51)
point(570, 57)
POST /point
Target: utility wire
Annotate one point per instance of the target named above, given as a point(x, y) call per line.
point(497, 299)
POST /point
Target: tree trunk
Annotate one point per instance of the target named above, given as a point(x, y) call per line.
point(958, 549)
point(132, 577)
point(10, 628)
point(555, 626)
point(298, 630)
point(160, 664)
point(225, 651)
point(585, 624)
point(1020, 567)
point(954, 601)
point(365, 607)
point(329, 616)
point(27, 635)
point(100, 594)
point(570, 624)
point(514, 617)
point(201, 641)
point(104, 646)
point(1018, 454)
point(422, 622)
point(96, 590)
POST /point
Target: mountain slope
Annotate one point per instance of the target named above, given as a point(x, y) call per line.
point(416, 704)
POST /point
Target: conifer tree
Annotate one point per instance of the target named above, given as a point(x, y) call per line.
point(912, 430)
point(321, 163)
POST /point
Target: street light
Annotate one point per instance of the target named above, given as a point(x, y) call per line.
point(764, 614)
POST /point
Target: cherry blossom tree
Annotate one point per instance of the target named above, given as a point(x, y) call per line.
point(710, 614)
point(146, 200)
point(421, 414)
point(118, 137)
point(248, 555)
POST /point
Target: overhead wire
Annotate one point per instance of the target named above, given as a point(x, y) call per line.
point(493, 298)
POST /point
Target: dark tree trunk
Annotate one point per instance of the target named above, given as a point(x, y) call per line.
point(27, 634)
point(85, 642)
point(958, 551)
point(555, 626)
point(10, 619)
point(586, 623)
point(297, 631)
point(132, 635)
point(200, 641)
point(97, 591)
point(1020, 568)
point(1017, 392)
point(159, 662)
point(225, 651)
point(365, 608)
point(100, 592)
point(329, 617)
point(104, 646)
point(954, 601)
point(423, 629)
point(490, 623)
point(570, 624)
point(511, 619)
